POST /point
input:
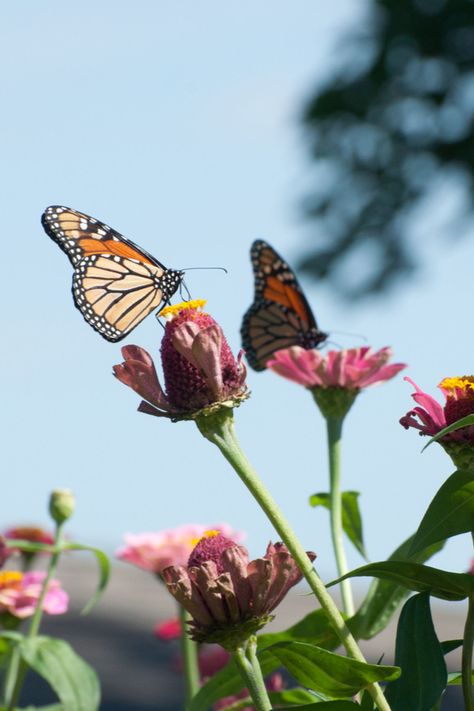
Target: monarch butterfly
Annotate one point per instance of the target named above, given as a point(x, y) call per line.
point(280, 315)
point(115, 284)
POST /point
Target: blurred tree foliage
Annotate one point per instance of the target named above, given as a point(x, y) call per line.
point(397, 115)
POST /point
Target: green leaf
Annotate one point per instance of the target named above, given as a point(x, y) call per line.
point(367, 702)
point(463, 422)
point(351, 518)
point(54, 707)
point(226, 683)
point(451, 644)
point(291, 697)
point(104, 571)
point(73, 680)
point(384, 596)
point(455, 678)
point(419, 654)
point(314, 627)
point(422, 578)
point(324, 671)
point(450, 513)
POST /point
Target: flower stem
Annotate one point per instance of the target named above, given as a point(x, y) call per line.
point(246, 660)
point(219, 429)
point(467, 657)
point(334, 430)
point(190, 658)
point(20, 666)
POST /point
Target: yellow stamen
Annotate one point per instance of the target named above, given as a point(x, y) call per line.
point(175, 309)
point(207, 534)
point(10, 576)
point(466, 382)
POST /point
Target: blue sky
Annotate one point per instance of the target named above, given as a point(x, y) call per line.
point(177, 124)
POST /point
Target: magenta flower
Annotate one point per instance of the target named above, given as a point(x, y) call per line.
point(429, 417)
point(19, 594)
point(354, 368)
point(157, 550)
point(199, 369)
point(228, 596)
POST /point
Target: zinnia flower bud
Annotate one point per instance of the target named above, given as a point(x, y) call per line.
point(61, 505)
point(228, 596)
point(200, 372)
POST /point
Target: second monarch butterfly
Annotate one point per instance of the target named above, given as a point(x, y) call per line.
point(115, 284)
point(280, 315)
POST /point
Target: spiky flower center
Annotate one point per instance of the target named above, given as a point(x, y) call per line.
point(210, 548)
point(173, 310)
point(457, 385)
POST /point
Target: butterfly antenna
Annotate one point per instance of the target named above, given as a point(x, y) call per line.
point(352, 335)
point(187, 291)
point(188, 269)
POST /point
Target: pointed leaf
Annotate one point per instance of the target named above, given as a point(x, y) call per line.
point(451, 644)
point(104, 572)
point(314, 627)
point(292, 697)
point(419, 654)
point(324, 671)
point(422, 578)
point(73, 680)
point(463, 422)
point(351, 518)
point(384, 596)
point(450, 513)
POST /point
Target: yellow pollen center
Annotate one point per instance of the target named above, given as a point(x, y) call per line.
point(207, 534)
point(7, 577)
point(175, 309)
point(465, 383)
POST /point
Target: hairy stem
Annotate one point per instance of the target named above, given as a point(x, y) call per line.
point(247, 663)
point(190, 658)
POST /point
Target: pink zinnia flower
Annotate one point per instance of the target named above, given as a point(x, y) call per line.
point(430, 417)
point(228, 596)
point(19, 594)
point(157, 550)
point(199, 369)
point(336, 378)
point(354, 368)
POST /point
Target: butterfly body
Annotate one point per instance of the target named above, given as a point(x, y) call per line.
point(280, 315)
point(116, 284)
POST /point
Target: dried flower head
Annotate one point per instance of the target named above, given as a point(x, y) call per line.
point(200, 372)
point(228, 596)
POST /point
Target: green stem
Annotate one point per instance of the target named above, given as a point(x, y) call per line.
point(21, 669)
point(467, 657)
point(251, 673)
point(219, 429)
point(334, 430)
point(190, 658)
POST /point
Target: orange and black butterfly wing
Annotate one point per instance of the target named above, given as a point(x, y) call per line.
point(115, 284)
point(280, 315)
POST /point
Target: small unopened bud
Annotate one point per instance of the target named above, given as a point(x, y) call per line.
point(61, 505)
